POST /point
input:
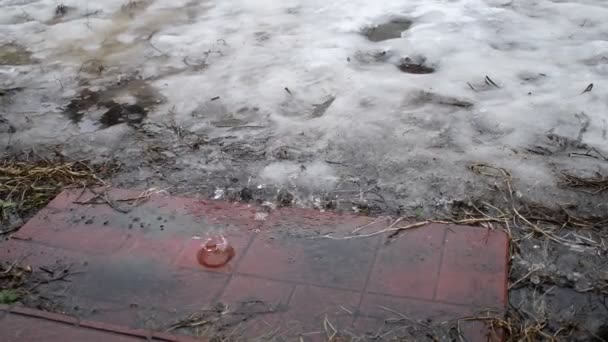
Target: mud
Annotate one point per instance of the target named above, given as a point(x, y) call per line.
point(127, 102)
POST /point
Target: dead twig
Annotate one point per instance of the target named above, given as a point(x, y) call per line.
point(489, 81)
point(588, 154)
point(382, 231)
point(524, 277)
point(104, 198)
point(588, 89)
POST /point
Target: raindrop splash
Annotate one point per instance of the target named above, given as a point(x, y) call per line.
point(215, 252)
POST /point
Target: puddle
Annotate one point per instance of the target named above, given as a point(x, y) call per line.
point(14, 54)
point(128, 102)
point(388, 30)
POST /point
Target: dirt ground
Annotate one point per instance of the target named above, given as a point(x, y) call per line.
point(192, 125)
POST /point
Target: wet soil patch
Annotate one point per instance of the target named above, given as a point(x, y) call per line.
point(6, 126)
point(60, 13)
point(14, 54)
point(84, 101)
point(389, 30)
point(62, 10)
point(120, 113)
point(414, 68)
point(111, 102)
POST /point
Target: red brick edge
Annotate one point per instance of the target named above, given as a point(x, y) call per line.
point(116, 329)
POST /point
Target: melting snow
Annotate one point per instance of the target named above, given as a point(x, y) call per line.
point(508, 77)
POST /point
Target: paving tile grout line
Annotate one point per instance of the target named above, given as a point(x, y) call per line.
point(507, 266)
point(295, 282)
point(430, 301)
point(299, 283)
point(367, 278)
point(236, 267)
point(443, 244)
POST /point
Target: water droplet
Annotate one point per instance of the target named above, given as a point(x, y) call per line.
point(215, 252)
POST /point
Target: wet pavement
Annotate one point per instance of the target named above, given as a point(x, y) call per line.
point(132, 261)
point(25, 325)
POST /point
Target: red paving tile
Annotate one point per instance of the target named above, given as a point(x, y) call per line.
point(312, 221)
point(164, 250)
point(194, 290)
point(227, 215)
point(123, 314)
point(73, 231)
point(483, 290)
point(325, 262)
point(19, 328)
point(409, 266)
point(37, 255)
point(147, 284)
point(22, 324)
point(268, 257)
point(242, 289)
point(139, 269)
point(312, 308)
point(473, 268)
point(389, 307)
point(260, 302)
point(386, 316)
point(145, 316)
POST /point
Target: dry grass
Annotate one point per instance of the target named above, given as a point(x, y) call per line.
point(516, 330)
point(592, 185)
point(27, 185)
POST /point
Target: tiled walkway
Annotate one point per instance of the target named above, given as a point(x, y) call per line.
point(29, 325)
point(136, 266)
